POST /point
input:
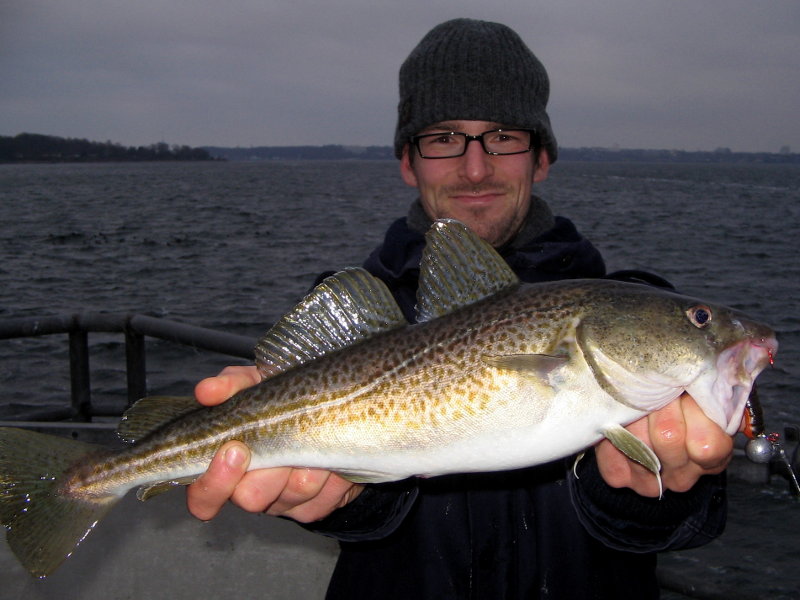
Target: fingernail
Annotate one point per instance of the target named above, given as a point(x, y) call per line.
point(234, 457)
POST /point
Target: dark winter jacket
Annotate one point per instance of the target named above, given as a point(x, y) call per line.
point(531, 533)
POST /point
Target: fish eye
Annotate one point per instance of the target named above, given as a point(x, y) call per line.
point(700, 315)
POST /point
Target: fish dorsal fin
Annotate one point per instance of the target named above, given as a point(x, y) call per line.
point(458, 268)
point(151, 413)
point(344, 309)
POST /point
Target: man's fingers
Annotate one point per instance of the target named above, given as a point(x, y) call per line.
point(215, 390)
point(301, 486)
point(688, 445)
point(206, 496)
point(311, 494)
point(260, 488)
point(667, 431)
point(619, 471)
point(707, 444)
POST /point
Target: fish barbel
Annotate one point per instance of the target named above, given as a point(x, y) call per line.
point(495, 375)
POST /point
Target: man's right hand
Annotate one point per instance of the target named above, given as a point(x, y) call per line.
point(305, 495)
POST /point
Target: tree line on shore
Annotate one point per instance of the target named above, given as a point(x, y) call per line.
point(339, 152)
point(30, 147)
point(33, 147)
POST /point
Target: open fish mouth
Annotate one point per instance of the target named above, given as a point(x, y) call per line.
point(738, 367)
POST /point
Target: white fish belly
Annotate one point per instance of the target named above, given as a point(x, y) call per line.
point(502, 440)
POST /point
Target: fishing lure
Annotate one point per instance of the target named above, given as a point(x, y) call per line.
point(764, 447)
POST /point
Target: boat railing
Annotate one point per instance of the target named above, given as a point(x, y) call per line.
point(135, 327)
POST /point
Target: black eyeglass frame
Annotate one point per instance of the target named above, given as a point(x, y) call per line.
point(414, 139)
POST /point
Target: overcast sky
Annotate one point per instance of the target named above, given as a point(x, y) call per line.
point(685, 74)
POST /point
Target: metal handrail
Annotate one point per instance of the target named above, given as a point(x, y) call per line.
point(135, 327)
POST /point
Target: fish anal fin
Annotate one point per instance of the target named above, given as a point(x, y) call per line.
point(635, 449)
point(154, 489)
point(366, 476)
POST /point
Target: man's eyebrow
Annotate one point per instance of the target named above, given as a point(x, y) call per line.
point(441, 127)
point(454, 126)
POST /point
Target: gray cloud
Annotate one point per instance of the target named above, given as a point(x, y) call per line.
point(638, 73)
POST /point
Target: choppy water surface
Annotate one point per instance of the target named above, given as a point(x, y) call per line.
point(233, 245)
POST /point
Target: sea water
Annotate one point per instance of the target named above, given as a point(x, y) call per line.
point(233, 245)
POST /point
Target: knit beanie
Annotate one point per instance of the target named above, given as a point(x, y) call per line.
point(473, 71)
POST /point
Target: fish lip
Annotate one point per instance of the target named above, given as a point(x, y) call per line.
point(739, 366)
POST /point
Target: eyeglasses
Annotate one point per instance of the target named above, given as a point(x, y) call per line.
point(497, 142)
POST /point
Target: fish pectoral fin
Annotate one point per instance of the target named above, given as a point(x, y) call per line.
point(635, 449)
point(159, 487)
point(367, 476)
point(539, 365)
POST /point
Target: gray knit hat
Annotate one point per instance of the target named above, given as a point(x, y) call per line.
point(473, 71)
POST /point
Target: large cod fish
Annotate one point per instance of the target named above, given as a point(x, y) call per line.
point(495, 375)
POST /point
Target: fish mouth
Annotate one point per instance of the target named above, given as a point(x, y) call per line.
point(738, 367)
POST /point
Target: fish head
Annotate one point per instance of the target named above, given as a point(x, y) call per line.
point(648, 345)
point(745, 347)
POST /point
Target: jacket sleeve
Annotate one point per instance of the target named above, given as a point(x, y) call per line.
point(373, 515)
point(624, 520)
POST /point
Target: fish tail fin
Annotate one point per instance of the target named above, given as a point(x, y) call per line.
point(44, 524)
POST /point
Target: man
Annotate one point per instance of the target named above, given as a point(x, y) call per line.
point(473, 136)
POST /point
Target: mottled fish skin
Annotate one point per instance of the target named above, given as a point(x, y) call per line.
point(497, 375)
point(401, 403)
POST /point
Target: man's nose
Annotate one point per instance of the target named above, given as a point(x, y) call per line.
point(476, 164)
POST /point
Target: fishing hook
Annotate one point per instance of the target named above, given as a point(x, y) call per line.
point(766, 447)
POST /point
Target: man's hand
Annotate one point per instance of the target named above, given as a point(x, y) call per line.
point(303, 494)
point(686, 441)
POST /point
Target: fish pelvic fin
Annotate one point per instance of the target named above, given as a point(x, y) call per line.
point(635, 449)
point(44, 524)
point(458, 268)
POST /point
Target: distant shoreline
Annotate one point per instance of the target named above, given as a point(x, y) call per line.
point(37, 148)
point(339, 152)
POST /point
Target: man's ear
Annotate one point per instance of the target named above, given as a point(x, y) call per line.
point(542, 167)
point(406, 168)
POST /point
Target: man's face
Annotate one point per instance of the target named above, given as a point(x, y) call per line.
point(489, 194)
